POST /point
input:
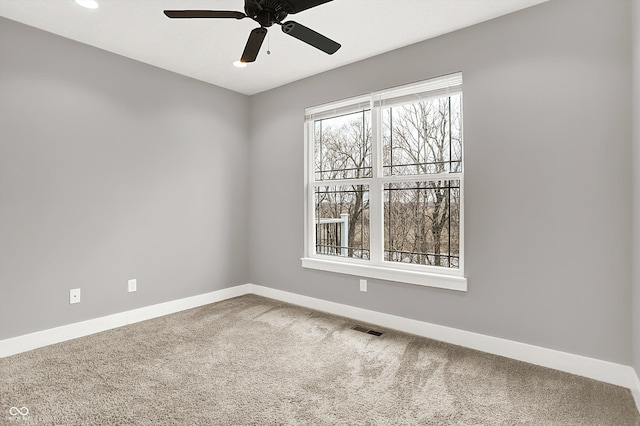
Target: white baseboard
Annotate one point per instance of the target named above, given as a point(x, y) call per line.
point(50, 336)
point(635, 390)
point(604, 371)
point(592, 368)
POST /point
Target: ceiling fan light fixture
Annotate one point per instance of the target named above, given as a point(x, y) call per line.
point(89, 4)
point(239, 64)
point(266, 13)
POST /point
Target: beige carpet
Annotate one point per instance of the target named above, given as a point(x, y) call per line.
point(252, 360)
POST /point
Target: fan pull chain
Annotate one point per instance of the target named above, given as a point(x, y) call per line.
point(268, 44)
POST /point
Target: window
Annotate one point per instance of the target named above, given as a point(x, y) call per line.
point(384, 184)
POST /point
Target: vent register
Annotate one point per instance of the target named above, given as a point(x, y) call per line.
point(367, 330)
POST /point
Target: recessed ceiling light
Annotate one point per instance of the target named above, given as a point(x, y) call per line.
point(89, 4)
point(239, 64)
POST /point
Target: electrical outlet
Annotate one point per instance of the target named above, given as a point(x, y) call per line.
point(363, 285)
point(74, 296)
point(133, 285)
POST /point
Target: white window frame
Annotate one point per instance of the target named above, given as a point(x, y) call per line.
point(376, 267)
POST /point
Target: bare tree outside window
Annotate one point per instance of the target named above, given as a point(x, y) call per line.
point(422, 218)
point(423, 137)
point(343, 151)
point(422, 223)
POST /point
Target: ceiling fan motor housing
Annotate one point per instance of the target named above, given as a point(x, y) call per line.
point(265, 12)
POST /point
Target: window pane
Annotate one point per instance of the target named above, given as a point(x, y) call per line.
point(342, 221)
point(423, 137)
point(342, 146)
point(422, 222)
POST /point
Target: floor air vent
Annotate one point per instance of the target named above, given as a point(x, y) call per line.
point(366, 330)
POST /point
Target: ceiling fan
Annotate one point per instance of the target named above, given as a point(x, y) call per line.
point(266, 13)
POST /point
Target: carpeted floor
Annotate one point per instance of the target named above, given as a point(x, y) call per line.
point(252, 360)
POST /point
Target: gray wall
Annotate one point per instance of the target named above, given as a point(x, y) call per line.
point(548, 179)
point(111, 169)
point(635, 19)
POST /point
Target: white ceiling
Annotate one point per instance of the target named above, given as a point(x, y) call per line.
point(204, 49)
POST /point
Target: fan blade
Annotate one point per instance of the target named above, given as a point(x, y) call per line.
point(253, 45)
point(295, 6)
point(311, 37)
point(189, 14)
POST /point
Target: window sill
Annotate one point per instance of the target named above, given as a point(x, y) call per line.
point(388, 274)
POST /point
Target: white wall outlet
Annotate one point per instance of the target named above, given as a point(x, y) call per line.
point(133, 285)
point(74, 296)
point(363, 285)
